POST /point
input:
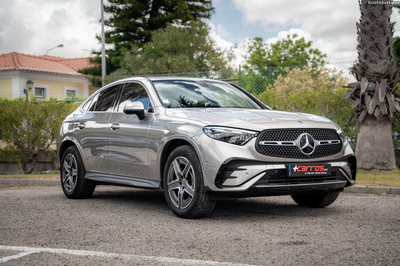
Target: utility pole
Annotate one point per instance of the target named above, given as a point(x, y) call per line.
point(103, 51)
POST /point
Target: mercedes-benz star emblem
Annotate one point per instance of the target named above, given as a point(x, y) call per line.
point(306, 144)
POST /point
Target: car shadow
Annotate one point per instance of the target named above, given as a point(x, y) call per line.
point(153, 198)
point(277, 207)
point(226, 209)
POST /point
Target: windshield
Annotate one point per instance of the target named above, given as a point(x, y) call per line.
point(189, 94)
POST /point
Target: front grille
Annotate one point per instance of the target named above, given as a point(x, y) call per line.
point(294, 151)
point(279, 177)
point(293, 134)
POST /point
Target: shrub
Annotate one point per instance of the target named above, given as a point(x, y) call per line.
point(29, 130)
point(310, 91)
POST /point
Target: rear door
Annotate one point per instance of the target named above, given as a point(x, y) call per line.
point(128, 136)
point(92, 129)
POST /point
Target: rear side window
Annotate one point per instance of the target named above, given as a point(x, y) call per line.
point(133, 92)
point(86, 106)
point(104, 101)
point(93, 102)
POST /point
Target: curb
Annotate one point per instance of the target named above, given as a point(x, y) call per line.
point(354, 189)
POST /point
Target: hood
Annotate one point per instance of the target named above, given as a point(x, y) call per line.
point(252, 119)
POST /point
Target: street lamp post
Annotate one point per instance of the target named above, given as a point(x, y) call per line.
point(58, 46)
point(29, 85)
point(103, 52)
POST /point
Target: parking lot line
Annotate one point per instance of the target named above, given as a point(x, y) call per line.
point(16, 256)
point(29, 250)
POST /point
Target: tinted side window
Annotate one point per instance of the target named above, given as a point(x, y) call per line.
point(92, 105)
point(87, 104)
point(106, 99)
point(132, 92)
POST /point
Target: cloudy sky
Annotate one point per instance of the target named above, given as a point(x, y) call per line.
point(34, 26)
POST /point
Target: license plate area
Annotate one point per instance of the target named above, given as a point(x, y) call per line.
point(301, 169)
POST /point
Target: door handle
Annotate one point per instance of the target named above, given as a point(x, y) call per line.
point(81, 125)
point(115, 126)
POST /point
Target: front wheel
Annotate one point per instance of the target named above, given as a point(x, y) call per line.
point(184, 185)
point(72, 172)
point(317, 200)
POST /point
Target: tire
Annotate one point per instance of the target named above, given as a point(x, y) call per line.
point(317, 200)
point(184, 185)
point(72, 173)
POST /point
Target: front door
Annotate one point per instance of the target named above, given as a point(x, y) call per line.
point(128, 136)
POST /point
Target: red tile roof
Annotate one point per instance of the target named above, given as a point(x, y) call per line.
point(43, 63)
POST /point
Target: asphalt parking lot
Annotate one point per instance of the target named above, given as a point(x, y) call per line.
point(123, 226)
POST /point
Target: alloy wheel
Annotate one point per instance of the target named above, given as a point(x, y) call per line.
point(70, 172)
point(181, 182)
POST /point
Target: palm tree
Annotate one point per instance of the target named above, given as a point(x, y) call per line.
point(374, 96)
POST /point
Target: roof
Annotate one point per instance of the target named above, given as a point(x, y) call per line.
point(44, 64)
point(180, 78)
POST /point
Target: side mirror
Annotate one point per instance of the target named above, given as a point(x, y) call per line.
point(136, 108)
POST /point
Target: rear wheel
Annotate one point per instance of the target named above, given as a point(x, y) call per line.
point(317, 200)
point(184, 185)
point(72, 172)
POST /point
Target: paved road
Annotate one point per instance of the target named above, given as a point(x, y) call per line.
point(122, 226)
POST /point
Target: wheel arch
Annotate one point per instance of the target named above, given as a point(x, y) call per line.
point(167, 150)
point(68, 142)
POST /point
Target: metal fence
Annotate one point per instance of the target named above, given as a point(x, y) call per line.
point(254, 80)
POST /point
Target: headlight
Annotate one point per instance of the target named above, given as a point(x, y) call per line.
point(230, 135)
point(343, 138)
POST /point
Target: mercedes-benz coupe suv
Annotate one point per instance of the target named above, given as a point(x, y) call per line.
point(199, 140)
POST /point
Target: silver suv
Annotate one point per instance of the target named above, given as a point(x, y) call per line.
point(198, 140)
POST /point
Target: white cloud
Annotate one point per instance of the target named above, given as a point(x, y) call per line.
point(330, 25)
point(220, 29)
point(217, 36)
point(35, 26)
point(283, 35)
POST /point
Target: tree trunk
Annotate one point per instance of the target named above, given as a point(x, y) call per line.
point(28, 168)
point(29, 165)
point(374, 148)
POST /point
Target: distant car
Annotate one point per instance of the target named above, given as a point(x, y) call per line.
point(198, 140)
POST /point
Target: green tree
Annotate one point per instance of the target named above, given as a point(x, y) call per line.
point(375, 96)
point(265, 62)
point(28, 131)
point(134, 21)
point(292, 51)
point(176, 49)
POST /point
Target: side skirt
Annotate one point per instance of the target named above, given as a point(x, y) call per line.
point(122, 181)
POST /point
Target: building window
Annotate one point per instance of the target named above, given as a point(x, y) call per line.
point(40, 93)
point(70, 92)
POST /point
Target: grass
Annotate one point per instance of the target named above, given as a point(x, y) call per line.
point(379, 178)
point(34, 176)
point(364, 178)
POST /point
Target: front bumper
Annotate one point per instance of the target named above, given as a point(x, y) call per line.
point(272, 179)
point(232, 170)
